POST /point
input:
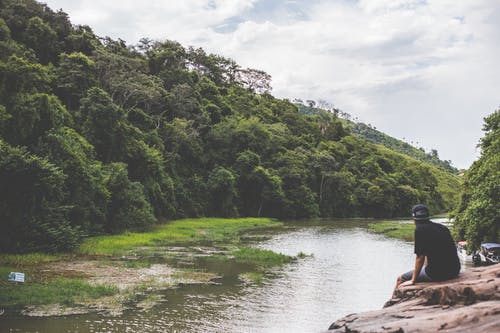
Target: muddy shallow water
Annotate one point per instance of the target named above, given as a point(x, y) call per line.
point(348, 269)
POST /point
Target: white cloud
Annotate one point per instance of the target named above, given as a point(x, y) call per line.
point(393, 63)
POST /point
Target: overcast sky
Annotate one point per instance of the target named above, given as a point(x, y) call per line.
point(426, 71)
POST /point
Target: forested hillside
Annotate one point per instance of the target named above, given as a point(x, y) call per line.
point(99, 137)
point(372, 134)
point(478, 214)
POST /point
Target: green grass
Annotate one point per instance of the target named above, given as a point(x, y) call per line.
point(64, 291)
point(259, 257)
point(29, 259)
point(404, 231)
point(180, 232)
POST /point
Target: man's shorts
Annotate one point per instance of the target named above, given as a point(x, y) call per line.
point(422, 277)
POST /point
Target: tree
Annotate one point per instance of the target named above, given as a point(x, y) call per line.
point(339, 197)
point(236, 134)
point(324, 164)
point(184, 103)
point(478, 213)
point(81, 39)
point(18, 14)
point(128, 208)
point(221, 185)
point(75, 75)
point(220, 70)
point(406, 196)
point(101, 121)
point(167, 60)
point(146, 165)
point(255, 80)
point(270, 195)
point(259, 189)
point(32, 210)
point(87, 195)
point(32, 115)
point(42, 39)
point(299, 201)
point(184, 150)
point(126, 79)
point(18, 75)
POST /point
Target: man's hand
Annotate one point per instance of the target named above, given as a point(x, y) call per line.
point(407, 283)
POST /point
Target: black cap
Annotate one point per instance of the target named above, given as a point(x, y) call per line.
point(420, 212)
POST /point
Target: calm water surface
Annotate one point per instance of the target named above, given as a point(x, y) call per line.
point(350, 270)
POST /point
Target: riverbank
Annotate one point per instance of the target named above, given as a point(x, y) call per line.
point(403, 230)
point(400, 230)
point(110, 273)
point(470, 303)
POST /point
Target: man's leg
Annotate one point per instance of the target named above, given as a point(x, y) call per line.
point(422, 277)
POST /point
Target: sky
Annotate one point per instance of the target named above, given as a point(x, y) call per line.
point(424, 71)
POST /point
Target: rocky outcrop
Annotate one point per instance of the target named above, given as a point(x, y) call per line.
point(470, 303)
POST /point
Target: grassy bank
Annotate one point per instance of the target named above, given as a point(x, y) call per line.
point(42, 286)
point(30, 259)
point(394, 229)
point(93, 273)
point(64, 291)
point(181, 232)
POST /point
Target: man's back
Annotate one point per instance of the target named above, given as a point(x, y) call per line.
point(434, 241)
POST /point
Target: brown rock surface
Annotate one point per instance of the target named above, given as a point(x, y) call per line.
point(469, 303)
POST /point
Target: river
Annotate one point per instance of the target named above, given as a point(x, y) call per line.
point(350, 269)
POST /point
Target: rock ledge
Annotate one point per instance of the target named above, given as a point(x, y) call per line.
point(469, 303)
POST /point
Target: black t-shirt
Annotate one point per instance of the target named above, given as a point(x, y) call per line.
point(434, 241)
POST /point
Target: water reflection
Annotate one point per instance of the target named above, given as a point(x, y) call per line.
point(350, 270)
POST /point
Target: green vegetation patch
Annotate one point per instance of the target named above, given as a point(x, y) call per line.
point(259, 257)
point(64, 291)
point(404, 231)
point(29, 259)
point(180, 232)
point(477, 217)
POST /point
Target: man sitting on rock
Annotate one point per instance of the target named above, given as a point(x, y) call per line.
point(436, 254)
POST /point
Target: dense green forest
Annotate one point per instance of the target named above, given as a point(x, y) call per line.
point(97, 136)
point(478, 213)
point(372, 134)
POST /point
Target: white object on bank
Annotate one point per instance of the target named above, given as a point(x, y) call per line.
point(16, 277)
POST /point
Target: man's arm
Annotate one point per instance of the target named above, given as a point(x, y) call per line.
point(419, 263)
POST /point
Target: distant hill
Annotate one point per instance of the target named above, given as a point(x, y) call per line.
point(372, 134)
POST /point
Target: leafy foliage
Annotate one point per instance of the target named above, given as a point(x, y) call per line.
point(478, 213)
point(100, 137)
point(32, 211)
